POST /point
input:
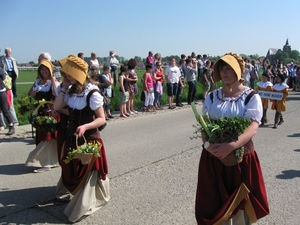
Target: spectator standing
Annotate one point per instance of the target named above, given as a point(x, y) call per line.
point(124, 92)
point(44, 55)
point(150, 59)
point(9, 64)
point(10, 102)
point(200, 68)
point(113, 62)
point(208, 79)
point(253, 74)
point(172, 77)
point(106, 77)
point(94, 60)
point(292, 73)
point(4, 104)
point(181, 83)
point(133, 88)
point(190, 71)
point(158, 85)
point(148, 88)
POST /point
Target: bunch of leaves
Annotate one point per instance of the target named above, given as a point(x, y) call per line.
point(45, 123)
point(214, 129)
point(25, 105)
point(87, 147)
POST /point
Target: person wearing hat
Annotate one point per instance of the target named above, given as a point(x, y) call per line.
point(279, 105)
point(265, 85)
point(218, 200)
point(85, 105)
point(44, 89)
point(113, 62)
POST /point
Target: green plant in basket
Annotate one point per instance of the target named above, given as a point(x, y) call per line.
point(44, 123)
point(88, 148)
point(220, 130)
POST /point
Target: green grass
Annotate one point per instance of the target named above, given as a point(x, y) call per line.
point(23, 105)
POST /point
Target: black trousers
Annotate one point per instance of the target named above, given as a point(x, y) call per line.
point(13, 76)
point(192, 91)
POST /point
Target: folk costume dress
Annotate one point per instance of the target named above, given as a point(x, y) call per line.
point(45, 153)
point(87, 182)
point(279, 105)
point(265, 86)
point(218, 184)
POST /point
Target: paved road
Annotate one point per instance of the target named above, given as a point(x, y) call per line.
point(153, 170)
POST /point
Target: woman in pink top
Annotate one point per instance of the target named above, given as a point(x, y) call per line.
point(158, 90)
point(148, 89)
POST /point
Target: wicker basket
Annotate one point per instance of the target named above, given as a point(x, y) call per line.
point(51, 128)
point(234, 157)
point(85, 158)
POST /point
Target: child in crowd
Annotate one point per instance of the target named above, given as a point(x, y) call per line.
point(148, 88)
point(124, 94)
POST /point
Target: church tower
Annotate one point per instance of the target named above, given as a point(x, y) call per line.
point(287, 47)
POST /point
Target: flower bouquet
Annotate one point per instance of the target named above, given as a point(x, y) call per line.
point(84, 152)
point(43, 123)
point(225, 129)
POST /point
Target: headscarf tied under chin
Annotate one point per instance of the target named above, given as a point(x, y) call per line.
point(235, 61)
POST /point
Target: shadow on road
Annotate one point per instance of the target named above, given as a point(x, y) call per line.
point(27, 202)
point(294, 135)
point(15, 169)
point(28, 140)
point(289, 174)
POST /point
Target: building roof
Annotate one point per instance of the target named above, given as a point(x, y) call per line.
point(272, 51)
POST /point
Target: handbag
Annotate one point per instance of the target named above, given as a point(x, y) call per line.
point(106, 100)
point(7, 82)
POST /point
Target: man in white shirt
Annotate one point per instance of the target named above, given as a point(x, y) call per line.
point(113, 62)
point(172, 76)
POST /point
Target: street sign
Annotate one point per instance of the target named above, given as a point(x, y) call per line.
point(271, 95)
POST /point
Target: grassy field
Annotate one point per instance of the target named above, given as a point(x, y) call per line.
point(24, 105)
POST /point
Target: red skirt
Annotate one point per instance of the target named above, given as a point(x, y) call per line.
point(218, 183)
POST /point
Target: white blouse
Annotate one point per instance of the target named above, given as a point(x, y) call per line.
point(78, 101)
point(45, 87)
point(233, 106)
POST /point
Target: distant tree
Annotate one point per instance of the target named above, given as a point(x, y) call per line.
point(294, 55)
point(281, 56)
point(138, 58)
point(31, 62)
point(255, 56)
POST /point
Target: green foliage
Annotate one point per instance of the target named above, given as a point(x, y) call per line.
point(86, 148)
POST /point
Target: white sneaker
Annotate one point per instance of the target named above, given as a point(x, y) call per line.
point(136, 112)
point(2, 128)
point(131, 113)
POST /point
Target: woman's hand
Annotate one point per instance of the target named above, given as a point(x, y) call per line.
point(81, 130)
point(220, 150)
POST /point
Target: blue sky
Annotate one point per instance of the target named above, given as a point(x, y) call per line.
point(134, 27)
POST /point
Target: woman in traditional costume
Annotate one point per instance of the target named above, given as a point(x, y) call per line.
point(231, 194)
point(87, 183)
point(44, 89)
